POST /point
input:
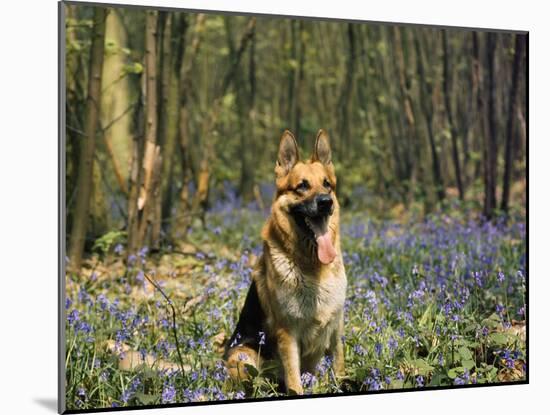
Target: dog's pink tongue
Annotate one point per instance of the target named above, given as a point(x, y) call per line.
point(325, 249)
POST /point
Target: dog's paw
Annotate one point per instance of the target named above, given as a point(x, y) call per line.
point(296, 390)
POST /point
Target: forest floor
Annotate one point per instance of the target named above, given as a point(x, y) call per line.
point(435, 302)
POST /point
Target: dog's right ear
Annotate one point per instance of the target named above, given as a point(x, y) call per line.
point(288, 154)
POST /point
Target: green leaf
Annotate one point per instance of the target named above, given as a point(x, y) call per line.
point(135, 68)
point(470, 328)
point(396, 384)
point(104, 243)
point(468, 364)
point(492, 321)
point(228, 100)
point(426, 317)
point(455, 372)
point(292, 63)
point(498, 339)
point(421, 366)
point(252, 371)
point(465, 353)
point(145, 398)
point(438, 379)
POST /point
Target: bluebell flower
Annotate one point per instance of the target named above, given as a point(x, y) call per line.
point(459, 381)
point(73, 316)
point(143, 252)
point(392, 345)
point(168, 394)
point(308, 380)
point(130, 391)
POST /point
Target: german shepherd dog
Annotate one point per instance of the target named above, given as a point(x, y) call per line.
point(293, 311)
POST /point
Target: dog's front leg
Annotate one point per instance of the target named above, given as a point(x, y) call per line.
point(338, 349)
point(289, 352)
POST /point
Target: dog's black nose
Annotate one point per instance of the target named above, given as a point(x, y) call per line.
point(324, 204)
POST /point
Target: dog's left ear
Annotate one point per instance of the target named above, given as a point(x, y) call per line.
point(288, 154)
point(322, 152)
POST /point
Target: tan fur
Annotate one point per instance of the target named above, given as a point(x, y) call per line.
point(239, 358)
point(302, 298)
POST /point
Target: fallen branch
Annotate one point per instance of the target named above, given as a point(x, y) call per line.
point(173, 309)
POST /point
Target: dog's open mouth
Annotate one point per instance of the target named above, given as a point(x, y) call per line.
point(317, 227)
point(325, 249)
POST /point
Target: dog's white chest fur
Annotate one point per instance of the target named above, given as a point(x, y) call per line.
point(313, 303)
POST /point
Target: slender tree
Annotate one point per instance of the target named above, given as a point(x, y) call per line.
point(292, 70)
point(466, 113)
point(426, 96)
point(87, 150)
point(163, 116)
point(491, 142)
point(478, 83)
point(178, 47)
point(152, 150)
point(140, 224)
point(346, 93)
point(245, 96)
point(448, 109)
point(200, 200)
point(510, 124)
point(187, 64)
point(413, 145)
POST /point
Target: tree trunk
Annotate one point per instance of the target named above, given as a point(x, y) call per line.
point(247, 178)
point(163, 114)
point(245, 110)
point(478, 83)
point(413, 144)
point(467, 112)
point(510, 124)
point(426, 91)
point(185, 70)
point(136, 172)
point(346, 94)
point(491, 143)
point(201, 197)
point(87, 150)
point(152, 151)
point(298, 94)
point(151, 155)
point(292, 69)
point(448, 108)
point(170, 147)
point(135, 179)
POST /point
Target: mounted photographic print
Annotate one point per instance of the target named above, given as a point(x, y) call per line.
point(260, 207)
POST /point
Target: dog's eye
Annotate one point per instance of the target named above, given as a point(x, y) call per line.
point(303, 185)
point(327, 184)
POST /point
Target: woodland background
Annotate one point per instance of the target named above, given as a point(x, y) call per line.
point(169, 112)
point(173, 120)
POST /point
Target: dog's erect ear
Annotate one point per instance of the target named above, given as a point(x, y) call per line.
point(288, 153)
point(322, 152)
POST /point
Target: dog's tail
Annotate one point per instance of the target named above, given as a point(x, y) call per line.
point(239, 360)
point(243, 346)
